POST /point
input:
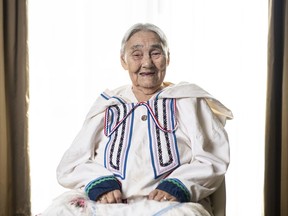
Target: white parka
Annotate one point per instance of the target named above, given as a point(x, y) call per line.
point(198, 154)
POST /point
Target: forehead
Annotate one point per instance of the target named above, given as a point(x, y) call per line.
point(143, 39)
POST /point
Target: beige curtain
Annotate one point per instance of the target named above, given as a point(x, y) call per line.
point(276, 149)
point(14, 161)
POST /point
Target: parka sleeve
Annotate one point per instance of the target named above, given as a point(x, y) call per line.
point(209, 149)
point(78, 167)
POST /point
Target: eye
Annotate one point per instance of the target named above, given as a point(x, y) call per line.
point(156, 54)
point(137, 55)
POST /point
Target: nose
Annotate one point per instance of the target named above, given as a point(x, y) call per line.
point(147, 61)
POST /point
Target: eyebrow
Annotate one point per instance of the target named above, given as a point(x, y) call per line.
point(138, 46)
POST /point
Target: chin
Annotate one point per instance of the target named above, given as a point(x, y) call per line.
point(152, 86)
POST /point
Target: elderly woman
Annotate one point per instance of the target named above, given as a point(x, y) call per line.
point(149, 147)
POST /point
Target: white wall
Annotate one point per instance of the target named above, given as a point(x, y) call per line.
point(74, 56)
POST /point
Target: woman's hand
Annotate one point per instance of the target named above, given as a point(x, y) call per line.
point(160, 195)
point(114, 196)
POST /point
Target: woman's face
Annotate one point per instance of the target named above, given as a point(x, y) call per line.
point(145, 60)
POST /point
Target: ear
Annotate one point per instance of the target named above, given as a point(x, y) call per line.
point(123, 62)
point(168, 58)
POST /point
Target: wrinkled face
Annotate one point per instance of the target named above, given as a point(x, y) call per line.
point(145, 60)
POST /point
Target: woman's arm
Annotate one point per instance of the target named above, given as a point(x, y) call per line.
point(78, 167)
point(209, 149)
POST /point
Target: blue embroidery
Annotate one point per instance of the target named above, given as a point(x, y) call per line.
point(161, 131)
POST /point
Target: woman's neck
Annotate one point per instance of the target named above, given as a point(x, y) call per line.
point(144, 94)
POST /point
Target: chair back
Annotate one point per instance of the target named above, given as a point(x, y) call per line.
point(218, 199)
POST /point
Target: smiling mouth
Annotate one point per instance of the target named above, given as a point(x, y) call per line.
point(146, 73)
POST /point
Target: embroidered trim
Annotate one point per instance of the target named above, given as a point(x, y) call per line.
point(167, 185)
point(163, 145)
point(101, 185)
point(120, 140)
point(117, 147)
point(180, 185)
point(79, 202)
point(118, 126)
point(165, 134)
point(92, 184)
point(108, 132)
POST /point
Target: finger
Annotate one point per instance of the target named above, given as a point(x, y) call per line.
point(164, 199)
point(99, 200)
point(103, 200)
point(161, 195)
point(164, 196)
point(114, 196)
point(158, 196)
point(117, 196)
point(173, 198)
point(152, 194)
point(110, 197)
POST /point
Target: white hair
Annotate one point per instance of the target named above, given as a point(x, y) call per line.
point(145, 27)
